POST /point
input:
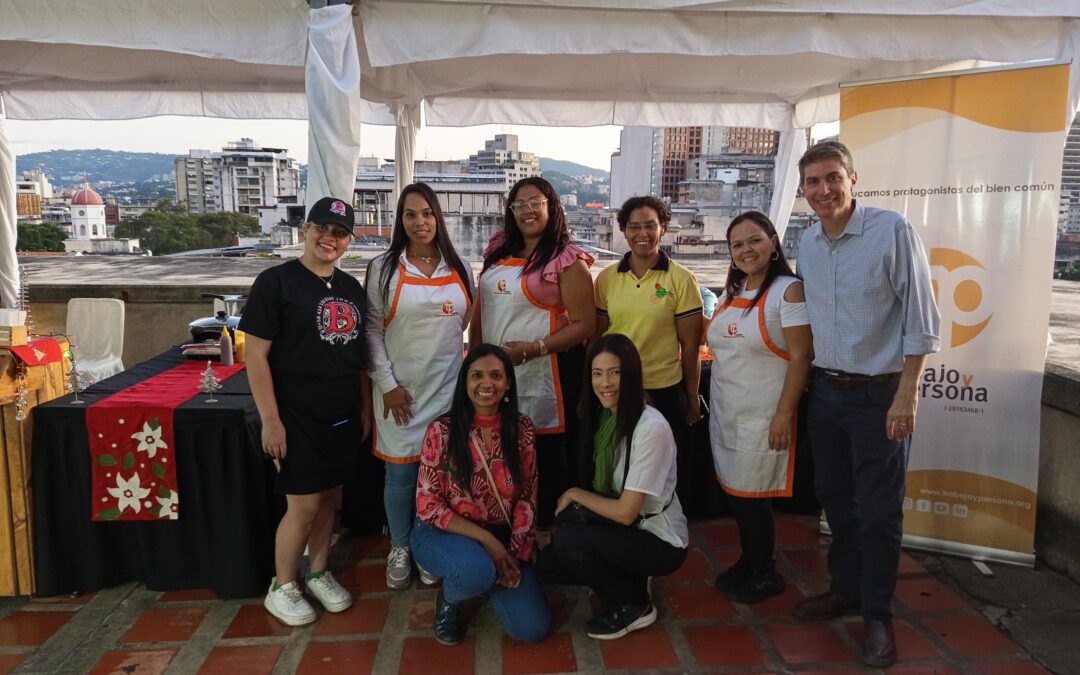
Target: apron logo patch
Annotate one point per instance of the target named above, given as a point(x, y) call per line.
point(500, 287)
point(337, 321)
point(448, 309)
point(732, 330)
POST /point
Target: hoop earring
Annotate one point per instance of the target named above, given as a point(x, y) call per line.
point(775, 255)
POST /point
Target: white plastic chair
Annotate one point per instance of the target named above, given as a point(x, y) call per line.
point(97, 325)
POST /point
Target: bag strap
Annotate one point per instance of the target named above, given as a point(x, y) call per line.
point(479, 445)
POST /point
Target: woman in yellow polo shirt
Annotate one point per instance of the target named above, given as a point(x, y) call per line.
point(656, 302)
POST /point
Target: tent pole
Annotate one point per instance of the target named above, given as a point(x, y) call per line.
point(332, 85)
point(9, 263)
point(408, 124)
point(786, 177)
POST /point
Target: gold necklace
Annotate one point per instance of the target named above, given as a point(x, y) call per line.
point(428, 259)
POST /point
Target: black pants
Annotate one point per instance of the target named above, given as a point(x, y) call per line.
point(756, 537)
point(556, 454)
point(615, 561)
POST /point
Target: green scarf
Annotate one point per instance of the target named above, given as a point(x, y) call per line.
point(604, 453)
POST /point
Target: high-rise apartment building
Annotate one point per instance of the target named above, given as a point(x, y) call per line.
point(502, 155)
point(242, 177)
point(1070, 173)
point(657, 160)
point(32, 188)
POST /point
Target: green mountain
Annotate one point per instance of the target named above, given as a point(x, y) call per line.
point(569, 168)
point(64, 167)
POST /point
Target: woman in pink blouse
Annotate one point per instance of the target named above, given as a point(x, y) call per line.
point(535, 298)
point(476, 502)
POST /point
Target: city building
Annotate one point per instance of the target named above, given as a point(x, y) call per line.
point(242, 177)
point(87, 215)
point(502, 156)
point(458, 193)
point(1070, 174)
point(32, 189)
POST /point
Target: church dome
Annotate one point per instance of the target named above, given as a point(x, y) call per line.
point(86, 196)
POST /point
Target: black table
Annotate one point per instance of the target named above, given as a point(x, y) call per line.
point(224, 538)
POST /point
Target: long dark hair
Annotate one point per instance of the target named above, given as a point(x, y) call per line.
point(399, 240)
point(461, 419)
point(554, 239)
point(628, 409)
point(778, 266)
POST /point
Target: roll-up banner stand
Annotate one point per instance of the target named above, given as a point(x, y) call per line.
point(973, 160)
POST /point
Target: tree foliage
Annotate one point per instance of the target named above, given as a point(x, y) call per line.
point(166, 229)
point(40, 237)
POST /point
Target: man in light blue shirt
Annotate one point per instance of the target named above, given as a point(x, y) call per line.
point(872, 312)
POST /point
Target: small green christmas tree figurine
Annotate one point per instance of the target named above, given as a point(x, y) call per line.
point(208, 384)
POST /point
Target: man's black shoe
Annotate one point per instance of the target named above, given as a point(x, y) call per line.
point(755, 585)
point(618, 622)
point(447, 624)
point(825, 606)
point(879, 643)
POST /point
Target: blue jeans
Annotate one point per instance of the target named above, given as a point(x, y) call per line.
point(468, 572)
point(859, 479)
point(399, 499)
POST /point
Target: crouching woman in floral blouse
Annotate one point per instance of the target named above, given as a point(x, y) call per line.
point(476, 502)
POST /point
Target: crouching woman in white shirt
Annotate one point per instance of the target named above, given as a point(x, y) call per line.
point(625, 524)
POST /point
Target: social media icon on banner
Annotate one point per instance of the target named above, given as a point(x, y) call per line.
point(941, 508)
point(959, 510)
point(909, 503)
point(923, 506)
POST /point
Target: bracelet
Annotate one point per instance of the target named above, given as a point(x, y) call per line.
point(541, 347)
point(524, 356)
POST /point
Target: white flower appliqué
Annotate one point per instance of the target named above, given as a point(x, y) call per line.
point(150, 438)
point(170, 506)
point(128, 492)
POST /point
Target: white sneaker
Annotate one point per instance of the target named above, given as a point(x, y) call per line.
point(427, 578)
point(398, 568)
point(287, 605)
point(330, 594)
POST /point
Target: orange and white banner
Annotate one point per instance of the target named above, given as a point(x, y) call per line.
point(973, 159)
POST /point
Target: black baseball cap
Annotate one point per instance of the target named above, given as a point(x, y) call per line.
point(332, 211)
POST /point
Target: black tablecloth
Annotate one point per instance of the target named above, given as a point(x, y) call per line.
point(224, 538)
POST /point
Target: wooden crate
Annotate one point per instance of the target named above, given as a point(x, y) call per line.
point(43, 383)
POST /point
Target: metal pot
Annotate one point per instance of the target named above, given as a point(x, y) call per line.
point(209, 328)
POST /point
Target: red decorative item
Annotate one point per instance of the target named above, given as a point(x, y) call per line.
point(130, 435)
point(40, 351)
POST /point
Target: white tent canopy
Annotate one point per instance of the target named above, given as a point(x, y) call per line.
point(766, 63)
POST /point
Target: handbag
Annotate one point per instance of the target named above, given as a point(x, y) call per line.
point(501, 531)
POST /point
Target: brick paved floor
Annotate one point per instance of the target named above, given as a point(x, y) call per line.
point(130, 629)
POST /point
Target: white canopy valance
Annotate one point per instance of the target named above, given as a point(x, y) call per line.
point(765, 63)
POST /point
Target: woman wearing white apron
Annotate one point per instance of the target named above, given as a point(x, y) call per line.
point(762, 348)
point(419, 301)
point(535, 300)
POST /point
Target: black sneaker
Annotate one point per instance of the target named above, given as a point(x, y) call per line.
point(620, 621)
point(447, 624)
point(730, 575)
point(755, 585)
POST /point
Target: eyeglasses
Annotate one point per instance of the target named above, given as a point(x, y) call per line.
point(534, 203)
point(634, 228)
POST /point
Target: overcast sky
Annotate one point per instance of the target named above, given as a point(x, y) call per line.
point(591, 146)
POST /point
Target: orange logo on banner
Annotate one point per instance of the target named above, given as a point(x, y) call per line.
point(966, 296)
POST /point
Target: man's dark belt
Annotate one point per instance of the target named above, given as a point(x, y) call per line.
point(839, 378)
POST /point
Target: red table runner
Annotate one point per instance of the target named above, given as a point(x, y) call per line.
point(130, 434)
point(39, 351)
